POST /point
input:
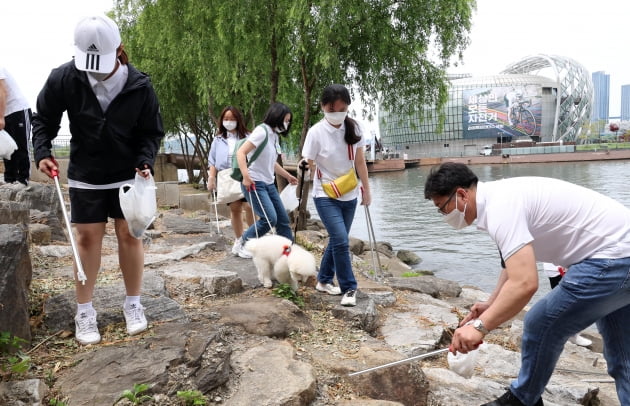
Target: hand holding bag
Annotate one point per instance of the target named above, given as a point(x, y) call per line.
point(138, 204)
point(228, 190)
point(7, 145)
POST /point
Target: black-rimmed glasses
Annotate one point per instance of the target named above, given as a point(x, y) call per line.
point(441, 208)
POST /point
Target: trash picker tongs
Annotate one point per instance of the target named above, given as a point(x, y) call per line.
point(80, 274)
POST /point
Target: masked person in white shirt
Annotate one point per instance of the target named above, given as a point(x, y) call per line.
point(549, 220)
point(230, 129)
point(116, 130)
point(258, 178)
point(334, 149)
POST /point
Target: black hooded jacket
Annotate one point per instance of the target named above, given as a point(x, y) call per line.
point(105, 147)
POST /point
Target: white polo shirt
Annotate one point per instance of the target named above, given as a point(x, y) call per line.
point(326, 146)
point(262, 169)
point(565, 223)
point(15, 99)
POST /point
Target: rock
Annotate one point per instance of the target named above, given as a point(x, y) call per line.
point(267, 316)
point(408, 257)
point(357, 246)
point(363, 316)
point(214, 281)
point(13, 212)
point(39, 233)
point(57, 251)
point(269, 375)
point(421, 329)
point(108, 300)
point(178, 354)
point(30, 392)
point(185, 225)
point(15, 279)
point(404, 383)
point(431, 285)
point(43, 198)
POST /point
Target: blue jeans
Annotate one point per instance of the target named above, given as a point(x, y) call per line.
point(592, 291)
point(337, 217)
point(271, 207)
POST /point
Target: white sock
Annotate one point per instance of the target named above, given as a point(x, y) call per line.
point(85, 308)
point(130, 301)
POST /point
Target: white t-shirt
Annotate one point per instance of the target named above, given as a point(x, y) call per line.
point(565, 223)
point(262, 169)
point(326, 146)
point(15, 99)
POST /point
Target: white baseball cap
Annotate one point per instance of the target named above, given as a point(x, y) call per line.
point(96, 40)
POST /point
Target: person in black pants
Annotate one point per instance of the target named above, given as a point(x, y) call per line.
point(15, 119)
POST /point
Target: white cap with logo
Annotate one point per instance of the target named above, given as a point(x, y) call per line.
point(96, 40)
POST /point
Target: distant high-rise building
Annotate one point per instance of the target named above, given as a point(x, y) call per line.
point(625, 103)
point(601, 96)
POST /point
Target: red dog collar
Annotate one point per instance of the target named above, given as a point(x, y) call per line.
point(287, 250)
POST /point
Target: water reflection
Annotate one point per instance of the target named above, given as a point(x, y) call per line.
point(404, 218)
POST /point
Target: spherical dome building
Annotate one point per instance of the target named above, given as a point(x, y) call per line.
point(542, 98)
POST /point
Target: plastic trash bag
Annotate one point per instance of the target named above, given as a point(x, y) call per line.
point(289, 198)
point(7, 145)
point(138, 204)
point(463, 364)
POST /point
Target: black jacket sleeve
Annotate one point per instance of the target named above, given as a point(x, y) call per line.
point(46, 120)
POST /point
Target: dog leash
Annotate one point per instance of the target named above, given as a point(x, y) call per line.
point(249, 190)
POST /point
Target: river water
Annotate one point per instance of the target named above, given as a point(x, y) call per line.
point(402, 217)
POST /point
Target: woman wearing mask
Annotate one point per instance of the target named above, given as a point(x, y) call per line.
point(231, 128)
point(333, 147)
point(258, 179)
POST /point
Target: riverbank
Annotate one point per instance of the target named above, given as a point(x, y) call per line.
point(215, 329)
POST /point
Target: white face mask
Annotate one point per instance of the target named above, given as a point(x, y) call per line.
point(98, 76)
point(229, 125)
point(282, 130)
point(335, 118)
point(456, 218)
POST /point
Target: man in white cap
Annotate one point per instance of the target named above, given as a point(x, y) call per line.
point(116, 131)
point(15, 119)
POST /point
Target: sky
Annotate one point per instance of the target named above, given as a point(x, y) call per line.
point(38, 36)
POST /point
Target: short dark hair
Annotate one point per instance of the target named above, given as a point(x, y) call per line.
point(274, 117)
point(331, 94)
point(444, 179)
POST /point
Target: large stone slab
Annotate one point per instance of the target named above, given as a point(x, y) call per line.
point(267, 316)
point(15, 279)
point(192, 351)
point(108, 300)
point(431, 285)
point(214, 281)
point(271, 376)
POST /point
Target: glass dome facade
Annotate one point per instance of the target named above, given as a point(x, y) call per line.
point(540, 98)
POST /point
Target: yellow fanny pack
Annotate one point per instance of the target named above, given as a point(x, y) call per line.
point(341, 185)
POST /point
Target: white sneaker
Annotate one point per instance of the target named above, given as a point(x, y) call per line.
point(242, 252)
point(134, 316)
point(238, 243)
point(579, 340)
point(86, 328)
point(349, 298)
point(328, 288)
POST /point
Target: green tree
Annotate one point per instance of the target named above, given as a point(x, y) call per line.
point(203, 55)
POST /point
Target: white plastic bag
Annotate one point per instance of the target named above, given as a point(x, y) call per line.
point(228, 190)
point(138, 204)
point(289, 198)
point(7, 145)
point(463, 364)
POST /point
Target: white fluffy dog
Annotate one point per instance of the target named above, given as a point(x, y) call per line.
point(289, 262)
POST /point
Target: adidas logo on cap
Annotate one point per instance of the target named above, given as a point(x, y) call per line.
point(92, 48)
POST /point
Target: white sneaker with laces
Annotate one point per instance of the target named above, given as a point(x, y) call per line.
point(134, 316)
point(579, 340)
point(86, 328)
point(328, 288)
point(349, 298)
point(238, 243)
point(242, 252)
